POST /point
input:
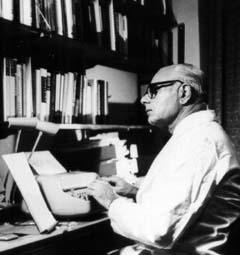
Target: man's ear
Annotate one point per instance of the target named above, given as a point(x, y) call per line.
point(185, 94)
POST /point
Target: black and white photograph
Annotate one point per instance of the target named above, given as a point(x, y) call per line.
point(119, 127)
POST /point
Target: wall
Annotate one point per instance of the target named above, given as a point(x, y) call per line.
point(186, 11)
point(123, 93)
point(122, 85)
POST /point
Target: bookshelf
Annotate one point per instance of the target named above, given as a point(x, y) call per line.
point(33, 30)
point(67, 37)
point(35, 42)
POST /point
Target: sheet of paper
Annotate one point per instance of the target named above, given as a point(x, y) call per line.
point(26, 182)
point(43, 162)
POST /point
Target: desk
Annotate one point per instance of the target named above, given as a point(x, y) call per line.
point(86, 237)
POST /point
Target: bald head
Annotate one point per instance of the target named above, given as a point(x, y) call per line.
point(187, 73)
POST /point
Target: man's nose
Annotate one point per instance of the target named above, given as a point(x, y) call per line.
point(144, 99)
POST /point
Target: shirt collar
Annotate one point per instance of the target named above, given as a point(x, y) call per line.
point(194, 120)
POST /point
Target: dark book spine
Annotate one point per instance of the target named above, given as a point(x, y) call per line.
point(105, 23)
point(64, 14)
point(52, 97)
point(79, 22)
point(16, 10)
point(43, 96)
point(2, 89)
point(34, 19)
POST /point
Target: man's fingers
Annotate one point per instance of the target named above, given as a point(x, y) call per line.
point(112, 179)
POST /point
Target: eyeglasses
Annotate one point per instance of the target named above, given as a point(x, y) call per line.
point(153, 88)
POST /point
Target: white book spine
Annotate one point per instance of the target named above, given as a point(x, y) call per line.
point(19, 102)
point(4, 88)
point(29, 96)
point(7, 9)
point(26, 15)
point(57, 94)
point(112, 26)
point(38, 92)
point(59, 17)
point(61, 94)
point(69, 98)
point(12, 81)
point(94, 99)
point(98, 16)
point(69, 17)
point(64, 100)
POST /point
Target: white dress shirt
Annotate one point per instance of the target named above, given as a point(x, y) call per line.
point(178, 183)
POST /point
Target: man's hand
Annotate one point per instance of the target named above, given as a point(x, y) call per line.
point(103, 192)
point(120, 186)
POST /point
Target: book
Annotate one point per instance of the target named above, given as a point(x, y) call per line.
point(69, 98)
point(4, 112)
point(52, 96)
point(78, 20)
point(6, 88)
point(12, 87)
point(18, 91)
point(105, 111)
point(28, 87)
point(25, 7)
point(43, 109)
point(38, 93)
point(59, 16)
point(7, 9)
point(94, 100)
point(48, 96)
point(104, 6)
point(57, 99)
point(69, 17)
point(112, 26)
point(81, 97)
point(98, 27)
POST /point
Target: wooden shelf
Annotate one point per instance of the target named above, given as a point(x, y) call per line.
point(32, 123)
point(101, 127)
point(21, 40)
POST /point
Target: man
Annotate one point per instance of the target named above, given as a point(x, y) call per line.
point(171, 213)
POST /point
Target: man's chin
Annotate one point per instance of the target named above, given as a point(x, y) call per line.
point(160, 124)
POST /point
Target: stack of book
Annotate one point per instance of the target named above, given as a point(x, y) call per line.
point(105, 154)
point(51, 96)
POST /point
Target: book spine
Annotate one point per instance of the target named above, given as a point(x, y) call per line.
point(12, 91)
point(52, 97)
point(43, 94)
point(28, 80)
point(57, 113)
point(7, 89)
point(19, 103)
point(59, 17)
point(48, 96)
point(112, 26)
point(38, 91)
point(69, 18)
point(7, 10)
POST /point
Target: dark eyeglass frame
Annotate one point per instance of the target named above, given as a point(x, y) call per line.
point(153, 88)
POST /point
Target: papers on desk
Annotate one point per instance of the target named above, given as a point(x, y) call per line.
point(27, 184)
point(44, 163)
